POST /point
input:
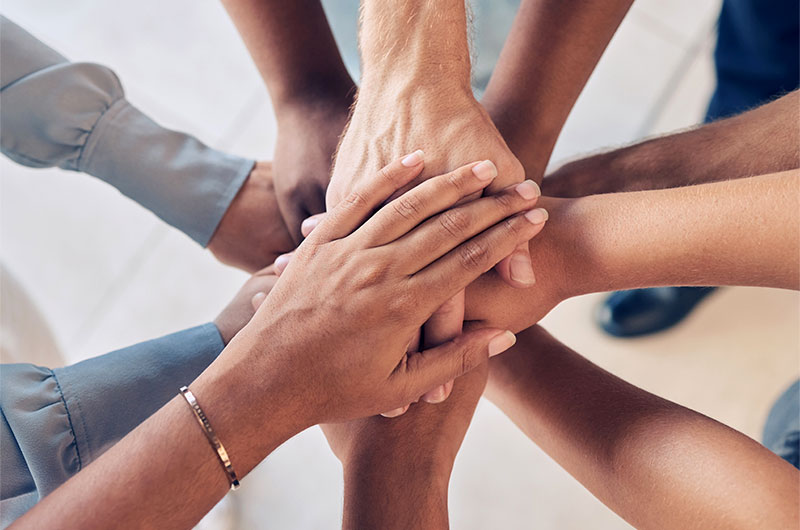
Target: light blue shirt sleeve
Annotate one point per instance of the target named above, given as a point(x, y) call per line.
point(55, 422)
point(75, 116)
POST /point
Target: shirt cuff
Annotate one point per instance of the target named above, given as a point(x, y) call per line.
point(184, 182)
point(108, 396)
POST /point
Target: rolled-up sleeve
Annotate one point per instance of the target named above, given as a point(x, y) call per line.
point(75, 116)
point(55, 422)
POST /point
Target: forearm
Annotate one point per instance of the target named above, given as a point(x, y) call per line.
point(640, 454)
point(740, 232)
point(757, 142)
point(293, 49)
point(551, 51)
point(412, 43)
point(396, 491)
point(164, 474)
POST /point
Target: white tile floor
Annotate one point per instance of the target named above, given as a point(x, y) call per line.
point(107, 284)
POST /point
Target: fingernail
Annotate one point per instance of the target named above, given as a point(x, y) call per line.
point(413, 159)
point(395, 413)
point(486, 170)
point(281, 262)
point(257, 300)
point(501, 343)
point(308, 225)
point(528, 190)
point(437, 395)
point(521, 270)
point(537, 216)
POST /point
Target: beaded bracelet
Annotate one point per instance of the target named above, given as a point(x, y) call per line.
point(201, 418)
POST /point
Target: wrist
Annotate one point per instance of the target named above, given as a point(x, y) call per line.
point(252, 408)
point(322, 98)
point(397, 491)
point(564, 247)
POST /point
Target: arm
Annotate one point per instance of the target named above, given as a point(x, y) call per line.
point(75, 116)
point(293, 48)
point(56, 422)
point(415, 92)
point(382, 488)
point(275, 370)
point(738, 232)
point(548, 56)
point(655, 463)
point(760, 141)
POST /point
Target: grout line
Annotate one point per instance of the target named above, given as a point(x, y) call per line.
point(679, 73)
point(85, 331)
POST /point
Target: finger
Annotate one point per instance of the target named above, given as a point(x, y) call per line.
point(462, 265)
point(440, 234)
point(257, 300)
point(395, 412)
point(438, 394)
point(281, 262)
point(429, 198)
point(452, 359)
point(361, 202)
point(308, 225)
point(517, 269)
point(445, 324)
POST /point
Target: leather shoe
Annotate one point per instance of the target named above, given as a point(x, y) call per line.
point(644, 311)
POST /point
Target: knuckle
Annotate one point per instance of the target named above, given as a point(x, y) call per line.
point(474, 255)
point(408, 206)
point(504, 201)
point(511, 226)
point(455, 222)
point(386, 174)
point(455, 180)
point(370, 275)
point(468, 356)
point(354, 200)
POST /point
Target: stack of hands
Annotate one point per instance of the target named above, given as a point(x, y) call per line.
point(386, 276)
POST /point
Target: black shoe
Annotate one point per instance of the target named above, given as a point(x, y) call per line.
point(644, 311)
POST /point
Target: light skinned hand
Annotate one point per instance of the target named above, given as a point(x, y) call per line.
point(445, 324)
point(337, 324)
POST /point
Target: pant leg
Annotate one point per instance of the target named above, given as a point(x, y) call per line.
point(757, 55)
point(782, 430)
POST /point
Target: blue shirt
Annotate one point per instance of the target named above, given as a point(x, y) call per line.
point(75, 116)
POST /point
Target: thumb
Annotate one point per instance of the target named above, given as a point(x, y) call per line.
point(433, 367)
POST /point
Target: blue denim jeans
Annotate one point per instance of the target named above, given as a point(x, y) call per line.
point(757, 56)
point(782, 430)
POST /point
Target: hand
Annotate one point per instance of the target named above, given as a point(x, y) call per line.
point(364, 293)
point(241, 309)
point(492, 302)
point(453, 127)
point(397, 472)
point(252, 232)
point(307, 138)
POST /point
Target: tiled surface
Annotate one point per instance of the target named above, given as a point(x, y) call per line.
point(127, 278)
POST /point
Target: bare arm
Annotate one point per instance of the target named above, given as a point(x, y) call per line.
point(763, 140)
point(655, 463)
point(272, 381)
point(391, 479)
point(738, 232)
point(293, 48)
point(552, 49)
